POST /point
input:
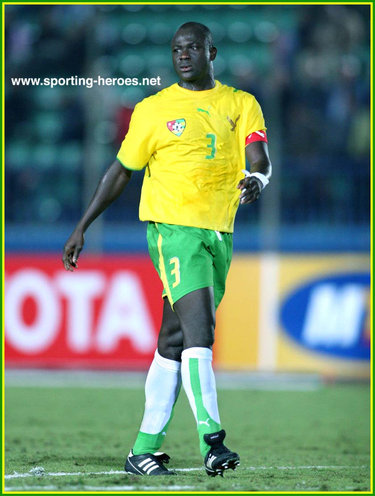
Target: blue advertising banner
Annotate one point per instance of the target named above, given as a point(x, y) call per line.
point(330, 315)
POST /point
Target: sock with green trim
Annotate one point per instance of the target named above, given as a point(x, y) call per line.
point(199, 383)
point(162, 387)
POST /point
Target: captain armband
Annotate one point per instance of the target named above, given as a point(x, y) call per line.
point(260, 135)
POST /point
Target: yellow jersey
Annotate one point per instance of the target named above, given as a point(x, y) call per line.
point(192, 144)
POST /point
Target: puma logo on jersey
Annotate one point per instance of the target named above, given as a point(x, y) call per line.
point(202, 110)
point(233, 124)
point(177, 126)
point(205, 422)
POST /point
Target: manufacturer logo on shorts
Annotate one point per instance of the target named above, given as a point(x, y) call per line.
point(177, 127)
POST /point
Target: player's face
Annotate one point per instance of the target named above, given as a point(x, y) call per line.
point(191, 55)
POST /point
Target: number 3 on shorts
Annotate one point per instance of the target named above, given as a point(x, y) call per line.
point(175, 261)
point(211, 145)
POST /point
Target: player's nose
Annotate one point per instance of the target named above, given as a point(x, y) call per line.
point(184, 54)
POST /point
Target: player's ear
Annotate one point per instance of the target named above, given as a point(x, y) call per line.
point(213, 53)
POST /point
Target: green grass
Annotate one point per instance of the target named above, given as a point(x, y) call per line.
point(288, 441)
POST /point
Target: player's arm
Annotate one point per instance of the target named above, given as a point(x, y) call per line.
point(260, 171)
point(109, 188)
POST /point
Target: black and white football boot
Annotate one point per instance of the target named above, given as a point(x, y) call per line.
point(219, 458)
point(147, 464)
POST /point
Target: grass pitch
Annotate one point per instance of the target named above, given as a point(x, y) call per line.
point(76, 439)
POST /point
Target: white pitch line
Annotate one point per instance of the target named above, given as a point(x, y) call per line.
point(193, 469)
point(99, 488)
point(144, 488)
point(62, 474)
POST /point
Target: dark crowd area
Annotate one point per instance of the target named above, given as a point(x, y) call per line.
point(307, 65)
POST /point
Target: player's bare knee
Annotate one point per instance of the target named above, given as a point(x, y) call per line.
point(170, 343)
point(201, 338)
point(170, 352)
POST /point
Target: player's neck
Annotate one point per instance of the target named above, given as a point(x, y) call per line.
point(199, 85)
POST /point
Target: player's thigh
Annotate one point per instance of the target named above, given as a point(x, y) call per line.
point(196, 313)
point(170, 340)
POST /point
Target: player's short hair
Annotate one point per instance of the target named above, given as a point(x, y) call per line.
point(200, 27)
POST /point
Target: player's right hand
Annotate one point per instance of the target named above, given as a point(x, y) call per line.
point(72, 249)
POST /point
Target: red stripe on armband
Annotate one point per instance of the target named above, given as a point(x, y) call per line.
point(256, 136)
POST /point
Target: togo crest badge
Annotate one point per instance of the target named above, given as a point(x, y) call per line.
point(177, 127)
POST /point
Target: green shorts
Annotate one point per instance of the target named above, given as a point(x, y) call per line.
point(189, 258)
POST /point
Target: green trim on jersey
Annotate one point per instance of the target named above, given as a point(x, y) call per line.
point(127, 166)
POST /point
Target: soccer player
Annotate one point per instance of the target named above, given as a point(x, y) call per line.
point(191, 139)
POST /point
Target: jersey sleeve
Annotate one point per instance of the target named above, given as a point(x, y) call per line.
point(254, 120)
point(139, 142)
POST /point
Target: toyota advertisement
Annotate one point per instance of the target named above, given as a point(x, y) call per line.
point(307, 313)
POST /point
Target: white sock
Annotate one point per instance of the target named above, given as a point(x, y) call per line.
point(162, 387)
point(199, 383)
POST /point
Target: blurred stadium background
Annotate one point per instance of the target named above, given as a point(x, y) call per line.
point(298, 290)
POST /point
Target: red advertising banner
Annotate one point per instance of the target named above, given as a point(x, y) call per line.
point(104, 315)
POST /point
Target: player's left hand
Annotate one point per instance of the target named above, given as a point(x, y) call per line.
point(251, 188)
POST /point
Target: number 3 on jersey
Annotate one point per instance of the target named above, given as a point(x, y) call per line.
point(212, 145)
